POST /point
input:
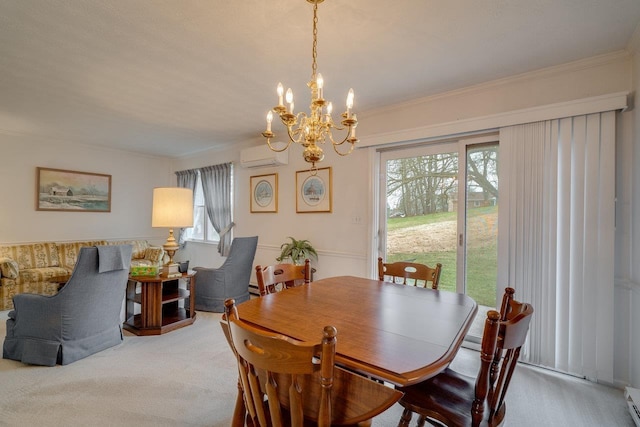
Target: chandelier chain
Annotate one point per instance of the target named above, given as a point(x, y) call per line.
point(314, 54)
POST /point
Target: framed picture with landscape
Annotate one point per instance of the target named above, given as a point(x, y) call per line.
point(72, 191)
point(313, 191)
point(264, 193)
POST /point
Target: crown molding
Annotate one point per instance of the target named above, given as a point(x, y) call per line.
point(633, 45)
point(597, 104)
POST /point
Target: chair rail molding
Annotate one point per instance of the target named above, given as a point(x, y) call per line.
point(324, 252)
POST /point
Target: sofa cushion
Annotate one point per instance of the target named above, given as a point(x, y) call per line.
point(9, 288)
point(42, 274)
point(34, 255)
point(68, 252)
point(9, 268)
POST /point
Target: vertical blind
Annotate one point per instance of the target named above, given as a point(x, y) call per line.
point(556, 238)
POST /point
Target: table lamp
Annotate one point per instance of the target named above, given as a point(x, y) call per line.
point(172, 207)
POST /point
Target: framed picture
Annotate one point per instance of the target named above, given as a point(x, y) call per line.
point(264, 193)
point(313, 191)
point(72, 191)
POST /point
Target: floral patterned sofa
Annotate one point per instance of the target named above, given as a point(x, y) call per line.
point(28, 268)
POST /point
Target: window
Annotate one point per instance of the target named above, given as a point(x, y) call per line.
point(202, 230)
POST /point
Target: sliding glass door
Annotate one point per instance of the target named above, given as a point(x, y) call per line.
point(480, 232)
point(439, 204)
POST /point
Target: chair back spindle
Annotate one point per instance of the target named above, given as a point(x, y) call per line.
point(487, 352)
point(507, 297)
point(511, 337)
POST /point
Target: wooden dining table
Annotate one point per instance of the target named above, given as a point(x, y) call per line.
point(396, 333)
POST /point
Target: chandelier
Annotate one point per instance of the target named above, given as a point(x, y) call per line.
point(315, 128)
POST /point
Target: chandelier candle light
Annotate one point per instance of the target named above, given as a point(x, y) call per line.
point(309, 130)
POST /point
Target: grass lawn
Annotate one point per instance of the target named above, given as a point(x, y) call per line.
point(481, 257)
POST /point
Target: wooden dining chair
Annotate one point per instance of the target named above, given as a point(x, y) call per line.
point(455, 399)
point(419, 274)
point(273, 278)
point(288, 382)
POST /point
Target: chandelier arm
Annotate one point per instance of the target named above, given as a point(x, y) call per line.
point(272, 148)
point(336, 127)
point(335, 148)
point(325, 131)
point(295, 135)
point(334, 143)
point(301, 117)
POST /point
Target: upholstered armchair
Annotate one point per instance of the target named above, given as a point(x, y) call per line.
point(83, 318)
point(231, 280)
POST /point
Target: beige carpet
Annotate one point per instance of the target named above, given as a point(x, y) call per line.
point(188, 378)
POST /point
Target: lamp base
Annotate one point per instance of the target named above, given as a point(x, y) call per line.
point(170, 270)
point(171, 246)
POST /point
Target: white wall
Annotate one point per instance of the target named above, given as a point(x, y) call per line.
point(342, 244)
point(133, 179)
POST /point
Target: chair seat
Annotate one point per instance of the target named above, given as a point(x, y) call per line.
point(447, 394)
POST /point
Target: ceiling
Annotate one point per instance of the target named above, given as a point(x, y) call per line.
point(175, 77)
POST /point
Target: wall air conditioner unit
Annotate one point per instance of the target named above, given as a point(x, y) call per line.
point(262, 155)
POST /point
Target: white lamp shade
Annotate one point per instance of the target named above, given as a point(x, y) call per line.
point(172, 207)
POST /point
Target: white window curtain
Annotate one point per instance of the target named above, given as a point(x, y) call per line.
point(186, 179)
point(216, 185)
point(556, 238)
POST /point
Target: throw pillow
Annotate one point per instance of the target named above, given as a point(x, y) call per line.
point(154, 254)
point(9, 268)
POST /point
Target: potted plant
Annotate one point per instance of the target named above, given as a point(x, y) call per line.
point(297, 251)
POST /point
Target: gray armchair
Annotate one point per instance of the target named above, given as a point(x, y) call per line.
point(231, 280)
point(80, 320)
